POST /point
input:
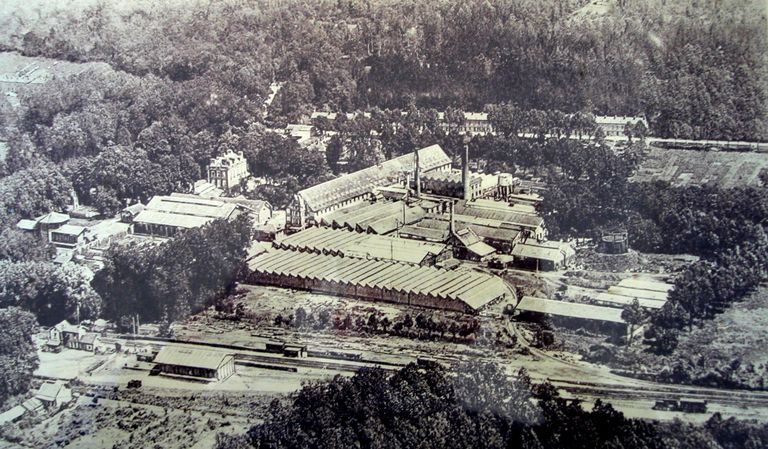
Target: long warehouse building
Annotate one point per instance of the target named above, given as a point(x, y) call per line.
point(460, 290)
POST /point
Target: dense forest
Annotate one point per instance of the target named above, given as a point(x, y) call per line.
point(470, 406)
point(696, 70)
point(188, 83)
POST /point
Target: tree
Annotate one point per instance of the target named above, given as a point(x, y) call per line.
point(333, 152)
point(634, 315)
point(373, 322)
point(19, 246)
point(300, 317)
point(33, 191)
point(182, 276)
point(18, 354)
point(52, 292)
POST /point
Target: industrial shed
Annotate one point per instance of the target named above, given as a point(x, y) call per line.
point(376, 218)
point(165, 215)
point(524, 221)
point(344, 243)
point(573, 315)
point(640, 284)
point(545, 256)
point(194, 362)
point(317, 201)
point(638, 293)
point(460, 290)
point(436, 228)
point(620, 301)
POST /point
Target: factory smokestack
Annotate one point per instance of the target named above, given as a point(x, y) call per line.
point(418, 174)
point(465, 173)
point(452, 226)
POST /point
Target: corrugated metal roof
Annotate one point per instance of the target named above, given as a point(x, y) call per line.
point(621, 301)
point(481, 249)
point(191, 357)
point(418, 232)
point(69, 229)
point(48, 391)
point(508, 216)
point(12, 414)
point(353, 244)
point(391, 222)
point(474, 288)
point(358, 183)
point(552, 251)
point(570, 309)
point(170, 219)
point(27, 225)
point(53, 218)
point(487, 229)
point(198, 207)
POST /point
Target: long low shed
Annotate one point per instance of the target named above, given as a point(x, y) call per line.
point(641, 284)
point(638, 293)
point(460, 290)
point(621, 301)
point(575, 315)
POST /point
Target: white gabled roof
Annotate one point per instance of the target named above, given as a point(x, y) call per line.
point(358, 183)
point(570, 309)
point(191, 357)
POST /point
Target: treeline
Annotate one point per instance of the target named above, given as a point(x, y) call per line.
point(176, 278)
point(700, 220)
point(18, 353)
point(52, 292)
point(693, 76)
point(424, 326)
point(474, 405)
point(708, 287)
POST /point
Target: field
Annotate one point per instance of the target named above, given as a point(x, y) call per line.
point(735, 345)
point(688, 167)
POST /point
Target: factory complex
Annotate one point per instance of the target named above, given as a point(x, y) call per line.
point(411, 230)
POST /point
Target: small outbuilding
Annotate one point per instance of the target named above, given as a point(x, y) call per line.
point(53, 395)
point(543, 256)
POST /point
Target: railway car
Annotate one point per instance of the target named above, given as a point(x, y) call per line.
point(681, 405)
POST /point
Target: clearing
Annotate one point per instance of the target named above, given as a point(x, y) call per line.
point(726, 169)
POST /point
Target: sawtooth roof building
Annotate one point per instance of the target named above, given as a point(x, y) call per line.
point(337, 242)
point(314, 203)
point(460, 290)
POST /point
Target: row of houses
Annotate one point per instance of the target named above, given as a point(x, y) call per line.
point(479, 123)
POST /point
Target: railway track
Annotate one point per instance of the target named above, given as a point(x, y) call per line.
point(611, 388)
point(660, 391)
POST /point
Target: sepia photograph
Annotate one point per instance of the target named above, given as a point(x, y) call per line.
point(384, 224)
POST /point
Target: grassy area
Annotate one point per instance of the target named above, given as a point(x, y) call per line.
point(729, 350)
